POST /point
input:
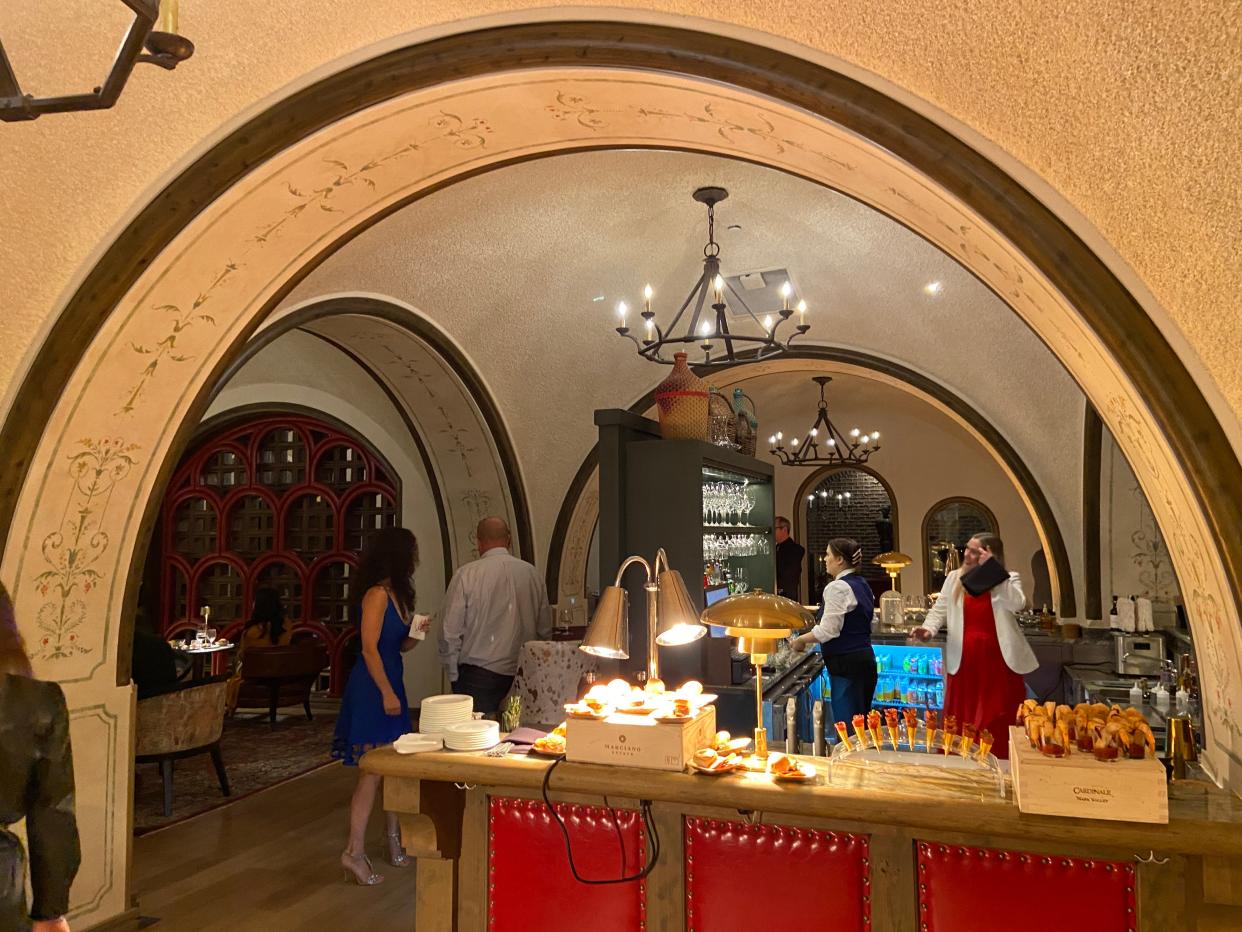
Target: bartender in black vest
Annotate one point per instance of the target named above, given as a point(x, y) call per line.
point(844, 632)
point(789, 555)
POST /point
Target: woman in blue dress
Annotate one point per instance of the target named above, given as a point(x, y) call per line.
point(374, 711)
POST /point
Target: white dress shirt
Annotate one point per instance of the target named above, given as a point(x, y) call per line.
point(1007, 598)
point(839, 600)
point(493, 606)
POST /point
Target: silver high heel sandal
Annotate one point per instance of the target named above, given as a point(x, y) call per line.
point(396, 851)
point(358, 868)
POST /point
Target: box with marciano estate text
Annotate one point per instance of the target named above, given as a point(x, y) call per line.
point(639, 740)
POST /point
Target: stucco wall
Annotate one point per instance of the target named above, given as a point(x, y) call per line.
point(1122, 116)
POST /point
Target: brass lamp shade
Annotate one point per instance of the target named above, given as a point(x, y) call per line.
point(678, 616)
point(893, 561)
point(758, 615)
point(609, 633)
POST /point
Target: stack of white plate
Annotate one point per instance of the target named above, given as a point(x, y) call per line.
point(438, 712)
point(472, 736)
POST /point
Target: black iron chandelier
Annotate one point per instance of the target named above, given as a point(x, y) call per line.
point(757, 341)
point(824, 444)
point(163, 47)
point(827, 497)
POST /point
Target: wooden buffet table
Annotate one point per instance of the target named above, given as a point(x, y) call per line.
point(1186, 875)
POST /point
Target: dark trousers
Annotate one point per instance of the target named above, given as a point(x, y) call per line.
point(852, 678)
point(486, 687)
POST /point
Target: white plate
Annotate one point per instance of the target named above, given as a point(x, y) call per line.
point(474, 728)
point(417, 743)
point(449, 703)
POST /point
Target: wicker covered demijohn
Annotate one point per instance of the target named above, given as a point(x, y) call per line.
point(682, 400)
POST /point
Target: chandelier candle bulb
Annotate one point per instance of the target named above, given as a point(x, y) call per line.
point(786, 291)
point(621, 311)
point(169, 14)
point(801, 313)
point(647, 293)
point(718, 285)
point(767, 323)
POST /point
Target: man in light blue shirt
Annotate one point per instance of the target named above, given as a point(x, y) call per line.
point(493, 606)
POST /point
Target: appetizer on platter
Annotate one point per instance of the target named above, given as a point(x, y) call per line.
point(1107, 732)
point(860, 729)
point(933, 725)
point(890, 722)
point(950, 732)
point(550, 744)
point(968, 739)
point(985, 745)
point(873, 726)
point(912, 724)
point(784, 767)
point(843, 734)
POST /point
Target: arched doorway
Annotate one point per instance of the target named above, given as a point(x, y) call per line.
point(947, 526)
point(275, 500)
point(850, 501)
point(126, 372)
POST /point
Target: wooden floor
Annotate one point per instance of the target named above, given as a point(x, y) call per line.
point(269, 862)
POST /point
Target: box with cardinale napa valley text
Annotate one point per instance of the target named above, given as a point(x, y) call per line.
point(639, 740)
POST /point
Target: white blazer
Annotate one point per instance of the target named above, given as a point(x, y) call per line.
point(1007, 598)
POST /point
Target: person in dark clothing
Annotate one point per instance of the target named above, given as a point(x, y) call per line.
point(789, 554)
point(843, 632)
point(36, 784)
point(154, 665)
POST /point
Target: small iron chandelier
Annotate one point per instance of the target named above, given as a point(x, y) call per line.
point(824, 444)
point(761, 342)
point(163, 47)
point(826, 497)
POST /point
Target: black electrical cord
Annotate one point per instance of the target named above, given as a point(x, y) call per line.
point(648, 823)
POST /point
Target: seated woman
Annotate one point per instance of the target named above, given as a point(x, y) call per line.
point(267, 627)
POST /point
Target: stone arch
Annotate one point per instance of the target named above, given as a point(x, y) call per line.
point(196, 272)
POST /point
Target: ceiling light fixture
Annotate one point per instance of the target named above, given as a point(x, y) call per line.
point(164, 48)
point(825, 444)
point(707, 327)
point(934, 288)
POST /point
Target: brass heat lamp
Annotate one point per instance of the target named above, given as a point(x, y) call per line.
point(759, 621)
point(672, 616)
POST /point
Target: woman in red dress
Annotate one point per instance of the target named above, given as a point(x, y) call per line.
point(986, 654)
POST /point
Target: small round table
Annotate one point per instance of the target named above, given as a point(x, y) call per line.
point(198, 656)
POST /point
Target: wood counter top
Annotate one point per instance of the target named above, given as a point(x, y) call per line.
point(1200, 822)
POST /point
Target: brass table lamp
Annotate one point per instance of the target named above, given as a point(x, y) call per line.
point(890, 602)
point(672, 618)
point(759, 621)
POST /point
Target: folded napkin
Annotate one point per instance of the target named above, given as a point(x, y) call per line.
point(1125, 614)
point(527, 736)
point(1142, 615)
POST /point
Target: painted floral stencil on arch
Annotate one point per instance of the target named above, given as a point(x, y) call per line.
point(72, 551)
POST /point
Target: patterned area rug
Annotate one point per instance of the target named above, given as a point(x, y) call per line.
point(256, 756)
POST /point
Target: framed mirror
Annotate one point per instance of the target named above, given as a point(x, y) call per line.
point(949, 524)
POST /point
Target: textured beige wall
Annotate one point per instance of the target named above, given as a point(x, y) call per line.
point(1128, 111)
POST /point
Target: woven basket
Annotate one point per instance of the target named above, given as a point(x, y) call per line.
point(682, 401)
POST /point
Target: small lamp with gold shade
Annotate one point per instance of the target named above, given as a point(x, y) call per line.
point(893, 562)
point(759, 621)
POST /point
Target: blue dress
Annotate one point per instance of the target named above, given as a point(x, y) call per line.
point(362, 723)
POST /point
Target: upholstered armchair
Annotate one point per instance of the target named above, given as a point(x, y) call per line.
point(273, 677)
point(182, 721)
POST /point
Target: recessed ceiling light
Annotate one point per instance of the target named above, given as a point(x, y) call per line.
point(735, 226)
point(598, 297)
point(934, 288)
